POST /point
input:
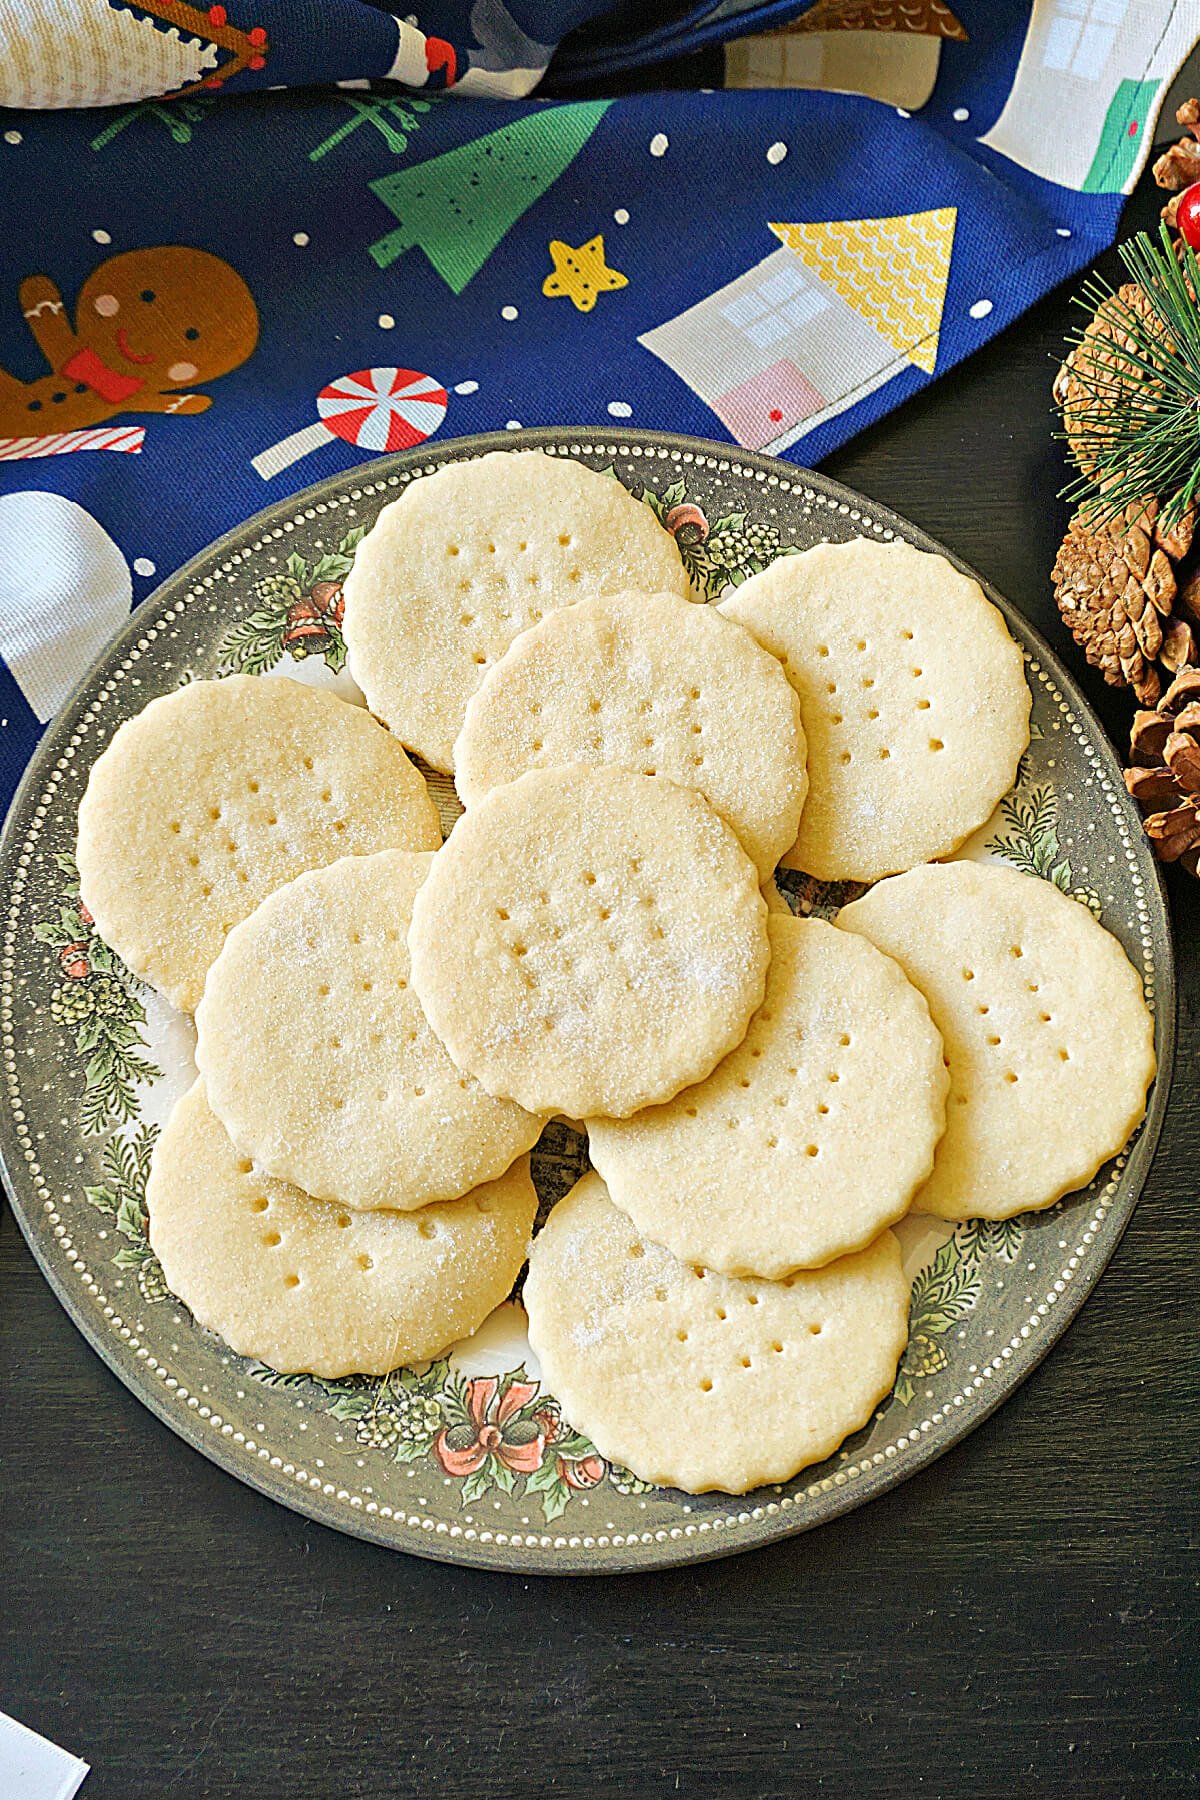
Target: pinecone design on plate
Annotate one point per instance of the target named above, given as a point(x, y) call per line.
point(1164, 778)
point(1115, 587)
point(101, 995)
point(748, 547)
point(400, 1417)
point(281, 590)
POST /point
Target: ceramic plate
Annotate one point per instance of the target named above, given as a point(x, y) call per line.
point(92, 1063)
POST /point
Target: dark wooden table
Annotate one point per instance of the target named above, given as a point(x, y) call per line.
point(1015, 1620)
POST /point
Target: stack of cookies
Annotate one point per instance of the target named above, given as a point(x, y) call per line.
point(384, 1023)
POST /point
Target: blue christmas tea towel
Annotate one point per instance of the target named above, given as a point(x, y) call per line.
point(224, 281)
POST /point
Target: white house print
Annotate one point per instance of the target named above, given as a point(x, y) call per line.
point(1087, 88)
point(814, 327)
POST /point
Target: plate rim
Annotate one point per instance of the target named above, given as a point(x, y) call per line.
point(631, 1557)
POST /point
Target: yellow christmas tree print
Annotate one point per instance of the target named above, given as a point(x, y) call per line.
point(893, 272)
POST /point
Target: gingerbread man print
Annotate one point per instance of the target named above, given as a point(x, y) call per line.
point(148, 324)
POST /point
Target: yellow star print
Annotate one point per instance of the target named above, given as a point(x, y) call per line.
point(581, 274)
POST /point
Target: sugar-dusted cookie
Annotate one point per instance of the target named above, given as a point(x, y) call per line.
point(810, 1137)
point(214, 796)
point(318, 1058)
point(913, 695)
point(302, 1283)
point(589, 941)
point(652, 683)
point(1048, 1038)
point(700, 1380)
point(468, 557)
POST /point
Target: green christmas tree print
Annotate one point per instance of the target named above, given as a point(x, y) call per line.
point(457, 207)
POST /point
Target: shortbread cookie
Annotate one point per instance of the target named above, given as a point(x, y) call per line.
point(317, 1056)
point(589, 941)
point(468, 557)
point(1048, 1039)
point(304, 1285)
point(913, 695)
point(214, 796)
point(652, 683)
point(810, 1137)
point(699, 1380)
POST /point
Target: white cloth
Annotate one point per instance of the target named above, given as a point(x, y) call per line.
point(32, 1768)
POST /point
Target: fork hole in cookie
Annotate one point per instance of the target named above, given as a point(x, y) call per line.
point(637, 1250)
point(365, 1262)
point(272, 1240)
point(936, 744)
point(706, 1386)
point(427, 1228)
point(291, 1281)
point(814, 1331)
point(260, 1205)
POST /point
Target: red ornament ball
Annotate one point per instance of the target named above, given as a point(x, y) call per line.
point(1187, 216)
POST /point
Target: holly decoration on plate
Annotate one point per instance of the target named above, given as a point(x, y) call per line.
point(299, 614)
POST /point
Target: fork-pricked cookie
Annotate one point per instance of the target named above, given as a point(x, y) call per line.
point(913, 696)
point(304, 1284)
point(652, 683)
point(807, 1139)
point(318, 1058)
point(589, 941)
point(698, 1380)
point(1049, 1042)
point(214, 796)
point(468, 557)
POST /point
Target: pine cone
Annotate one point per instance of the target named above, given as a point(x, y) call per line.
point(1164, 749)
point(1178, 167)
point(1115, 585)
point(1099, 371)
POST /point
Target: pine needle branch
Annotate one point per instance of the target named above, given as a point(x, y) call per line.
point(1136, 433)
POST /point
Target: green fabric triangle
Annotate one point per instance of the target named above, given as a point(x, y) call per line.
point(457, 207)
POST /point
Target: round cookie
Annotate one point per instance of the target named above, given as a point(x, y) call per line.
point(1049, 1042)
point(810, 1137)
point(589, 941)
point(652, 683)
point(304, 1285)
point(913, 695)
point(217, 794)
point(318, 1058)
point(698, 1380)
point(471, 555)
